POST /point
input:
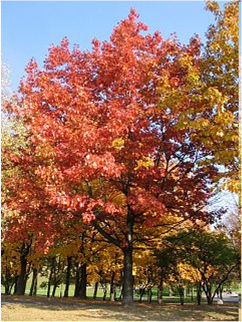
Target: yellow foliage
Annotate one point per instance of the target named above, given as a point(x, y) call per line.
point(188, 273)
point(118, 143)
point(145, 162)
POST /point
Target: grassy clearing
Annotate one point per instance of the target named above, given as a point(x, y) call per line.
point(42, 309)
point(90, 289)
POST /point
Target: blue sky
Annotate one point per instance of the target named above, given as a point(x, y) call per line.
point(29, 27)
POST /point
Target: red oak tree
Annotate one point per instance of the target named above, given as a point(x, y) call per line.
point(106, 142)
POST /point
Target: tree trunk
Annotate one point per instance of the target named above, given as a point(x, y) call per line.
point(199, 293)
point(221, 292)
point(15, 284)
point(104, 292)
point(7, 280)
point(128, 277)
point(83, 284)
point(181, 294)
point(142, 292)
point(121, 285)
point(33, 287)
point(95, 291)
point(7, 288)
point(121, 293)
point(192, 294)
point(208, 291)
point(77, 281)
point(54, 289)
point(149, 294)
point(68, 276)
point(21, 283)
point(160, 291)
point(112, 288)
point(51, 274)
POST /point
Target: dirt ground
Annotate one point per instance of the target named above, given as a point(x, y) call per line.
point(43, 309)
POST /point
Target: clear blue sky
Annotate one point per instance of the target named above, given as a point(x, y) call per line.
point(29, 27)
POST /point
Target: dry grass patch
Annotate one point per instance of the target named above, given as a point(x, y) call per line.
point(42, 309)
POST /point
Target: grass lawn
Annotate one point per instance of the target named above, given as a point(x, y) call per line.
point(90, 289)
point(42, 309)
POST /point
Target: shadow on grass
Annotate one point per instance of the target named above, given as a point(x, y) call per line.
point(138, 312)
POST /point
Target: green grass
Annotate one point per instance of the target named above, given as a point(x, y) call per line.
point(90, 289)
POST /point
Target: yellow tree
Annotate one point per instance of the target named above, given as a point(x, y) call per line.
point(221, 71)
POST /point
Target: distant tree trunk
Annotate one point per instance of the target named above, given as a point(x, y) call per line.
point(83, 284)
point(54, 289)
point(68, 276)
point(208, 291)
point(160, 291)
point(121, 286)
point(199, 293)
point(149, 294)
point(221, 292)
point(57, 277)
point(77, 281)
point(33, 288)
point(7, 288)
point(35, 285)
point(121, 293)
point(112, 288)
point(7, 280)
point(191, 293)
point(169, 291)
point(51, 275)
point(15, 284)
point(104, 292)
point(95, 291)
point(141, 292)
point(181, 294)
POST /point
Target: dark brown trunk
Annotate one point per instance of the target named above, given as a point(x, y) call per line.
point(83, 284)
point(181, 294)
point(33, 287)
point(128, 281)
point(77, 281)
point(128, 277)
point(221, 292)
point(112, 288)
point(51, 275)
point(208, 291)
point(199, 293)
point(160, 291)
point(141, 292)
point(149, 294)
point(15, 284)
point(54, 289)
point(68, 276)
point(104, 292)
point(95, 290)
point(191, 294)
point(7, 288)
point(57, 277)
point(7, 280)
point(21, 283)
